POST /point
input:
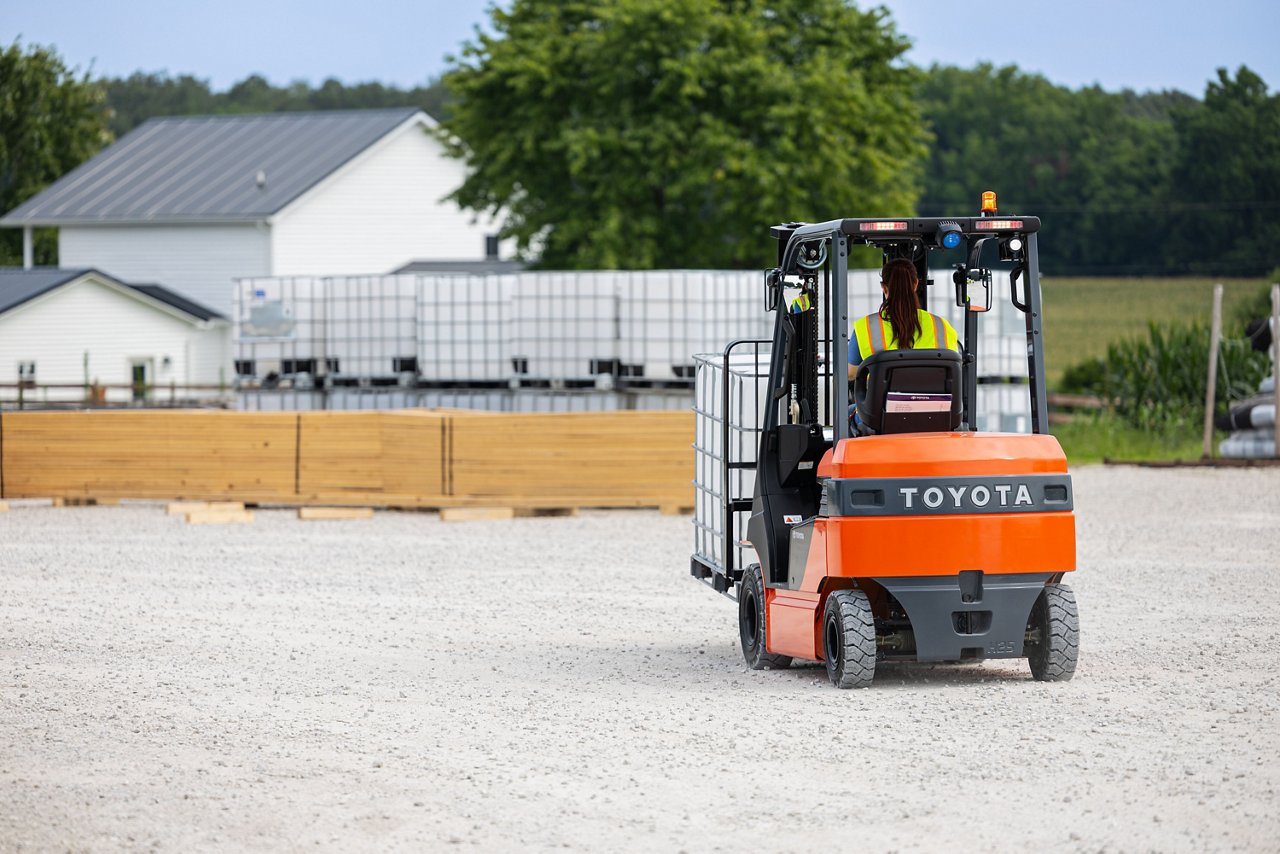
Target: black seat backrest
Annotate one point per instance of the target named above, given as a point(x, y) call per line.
point(908, 391)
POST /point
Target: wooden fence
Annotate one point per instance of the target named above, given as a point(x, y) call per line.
point(408, 458)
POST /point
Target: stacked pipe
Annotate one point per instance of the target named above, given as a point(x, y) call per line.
point(1252, 421)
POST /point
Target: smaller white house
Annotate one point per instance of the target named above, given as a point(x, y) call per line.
point(64, 330)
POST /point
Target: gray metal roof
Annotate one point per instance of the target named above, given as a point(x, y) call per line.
point(207, 168)
point(19, 286)
point(473, 267)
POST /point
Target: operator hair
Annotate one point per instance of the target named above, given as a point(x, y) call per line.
point(901, 304)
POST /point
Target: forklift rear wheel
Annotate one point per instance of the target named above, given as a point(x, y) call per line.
point(751, 617)
point(849, 639)
point(1053, 634)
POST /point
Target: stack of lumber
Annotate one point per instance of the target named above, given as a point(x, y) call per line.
point(601, 459)
point(378, 457)
point(173, 454)
point(411, 458)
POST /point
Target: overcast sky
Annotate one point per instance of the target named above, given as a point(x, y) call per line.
point(1138, 44)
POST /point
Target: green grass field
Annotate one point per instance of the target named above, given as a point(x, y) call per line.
point(1082, 316)
point(1093, 438)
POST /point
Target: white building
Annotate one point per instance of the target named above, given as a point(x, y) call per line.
point(197, 201)
point(82, 327)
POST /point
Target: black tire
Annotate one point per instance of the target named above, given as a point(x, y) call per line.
point(751, 624)
point(849, 639)
point(1054, 629)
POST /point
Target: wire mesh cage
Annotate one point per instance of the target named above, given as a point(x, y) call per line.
point(730, 398)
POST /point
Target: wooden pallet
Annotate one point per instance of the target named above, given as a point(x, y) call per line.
point(475, 514)
point(182, 508)
point(316, 513)
point(218, 517)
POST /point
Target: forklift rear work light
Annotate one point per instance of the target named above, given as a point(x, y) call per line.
point(997, 224)
point(948, 235)
point(1011, 248)
point(883, 226)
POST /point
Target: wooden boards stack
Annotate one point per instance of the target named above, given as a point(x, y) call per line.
point(597, 459)
point(152, 454)
point(378, 457)
point(413, 458)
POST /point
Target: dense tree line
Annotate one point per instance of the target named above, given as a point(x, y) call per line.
point(136, 98)
point(1155, 183)
point(716, 123)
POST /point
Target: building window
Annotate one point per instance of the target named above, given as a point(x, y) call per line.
point(297, 366)
point(27, 374)
point(244, 367)
point(491, 247)
point(331, 365)
point(404, 365)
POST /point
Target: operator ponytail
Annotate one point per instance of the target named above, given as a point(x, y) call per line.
point(901, 305)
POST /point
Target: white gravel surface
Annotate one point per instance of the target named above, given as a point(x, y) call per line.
point(406, 684)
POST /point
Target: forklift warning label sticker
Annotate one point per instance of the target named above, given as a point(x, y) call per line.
point(900, 401)
point(791, 520)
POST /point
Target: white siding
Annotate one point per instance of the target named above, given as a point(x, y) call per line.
point(56, 331)
point(380, 212)
point(197, 261)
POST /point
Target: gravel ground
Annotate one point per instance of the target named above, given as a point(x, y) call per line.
point(406, 684)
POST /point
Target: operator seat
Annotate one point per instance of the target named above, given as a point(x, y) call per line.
point(908, 391)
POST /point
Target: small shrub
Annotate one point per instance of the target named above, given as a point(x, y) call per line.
point(1085, 377)
point(1159, 382)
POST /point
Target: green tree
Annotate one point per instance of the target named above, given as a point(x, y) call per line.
point(664, 133)
point(1226, 181)
point(51, 120)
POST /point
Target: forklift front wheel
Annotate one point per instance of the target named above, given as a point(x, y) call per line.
point(751, 617)
point(849, 639)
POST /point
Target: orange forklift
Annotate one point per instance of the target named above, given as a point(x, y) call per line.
point(901, 534)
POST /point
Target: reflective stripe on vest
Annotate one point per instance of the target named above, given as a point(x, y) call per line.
point(875, 332)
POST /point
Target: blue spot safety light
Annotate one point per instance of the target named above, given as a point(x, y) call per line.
point(948, 236)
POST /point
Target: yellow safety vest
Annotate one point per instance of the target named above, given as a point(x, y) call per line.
point(801, 303)
point(874, 334)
